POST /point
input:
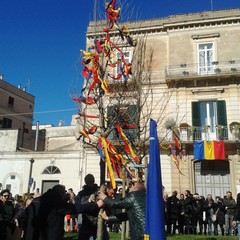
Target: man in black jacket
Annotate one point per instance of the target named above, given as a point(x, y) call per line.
point(134, 203)
point(45, 215)
point(88, 227)
point(173, 210)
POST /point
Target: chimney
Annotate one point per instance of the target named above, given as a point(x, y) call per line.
point(19, 86)
point(24, 89)
point(1, 77)
point(60, 123)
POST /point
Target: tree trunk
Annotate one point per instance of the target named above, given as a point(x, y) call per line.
point(100, 220)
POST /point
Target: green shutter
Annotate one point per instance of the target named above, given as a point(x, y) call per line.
point(132, 111)
point(195, 114)
point(221, 113)
point(110, 112)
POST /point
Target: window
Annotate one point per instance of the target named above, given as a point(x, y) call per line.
point(7, 123)
point(51, 170)
point(12, 176)
point(127, 116)
point(10, 102)
point(206, 116)
point(205, 58)
point(26, 130)
point(120, 65)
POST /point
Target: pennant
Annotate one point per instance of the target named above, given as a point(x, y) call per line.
point(107, 159)
point(128, 147)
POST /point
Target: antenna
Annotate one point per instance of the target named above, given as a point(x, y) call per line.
point(28, 84)
point(211, 5)
point(95, 15)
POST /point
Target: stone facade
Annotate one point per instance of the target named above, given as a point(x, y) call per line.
point(195, 60)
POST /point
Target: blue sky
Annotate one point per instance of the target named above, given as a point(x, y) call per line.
point(40, 42)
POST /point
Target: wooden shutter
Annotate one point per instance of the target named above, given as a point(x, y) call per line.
point(221, 113)
point(195, 114)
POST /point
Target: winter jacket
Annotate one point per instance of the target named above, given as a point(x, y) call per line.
point(45, 217)
point(173, 207)
point(219, 210)
point(230, 205)
point(134, 203)
point(89, 216)
point(208, 207)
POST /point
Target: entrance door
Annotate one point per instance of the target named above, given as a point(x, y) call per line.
point(47, 184)
point(13, 183)
point(212, 177)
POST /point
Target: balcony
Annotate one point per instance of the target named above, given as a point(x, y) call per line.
point(191, 133)
point(195, 71)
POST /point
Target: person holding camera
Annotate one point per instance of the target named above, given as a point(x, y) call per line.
point(218, 216)
point(8, 224)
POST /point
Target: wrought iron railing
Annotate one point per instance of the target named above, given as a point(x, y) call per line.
point(208, 133)
point(231, 67)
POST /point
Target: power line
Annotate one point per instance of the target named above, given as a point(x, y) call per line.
point(42, 112)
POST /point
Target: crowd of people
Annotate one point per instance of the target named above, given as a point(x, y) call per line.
point(194, 214)
point(43, 217)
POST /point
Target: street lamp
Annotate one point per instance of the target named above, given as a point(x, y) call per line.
point(30, 174)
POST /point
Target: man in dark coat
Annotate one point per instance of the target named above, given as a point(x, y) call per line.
point(134, 203)
point(45, 215)
point(197, 213)
point(173, 209)
point(88, 228)
point(208, 207)
point(230, 208)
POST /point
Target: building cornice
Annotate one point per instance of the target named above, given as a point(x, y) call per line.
point(181, 21)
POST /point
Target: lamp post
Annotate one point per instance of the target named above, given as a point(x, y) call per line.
point(30, 173)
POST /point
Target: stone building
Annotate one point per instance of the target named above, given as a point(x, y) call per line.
point(16, 112)
point(196, 60)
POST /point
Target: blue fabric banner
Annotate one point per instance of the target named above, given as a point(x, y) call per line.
point(154, 222)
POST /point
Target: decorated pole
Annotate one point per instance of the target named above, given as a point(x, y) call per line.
point(99, 61)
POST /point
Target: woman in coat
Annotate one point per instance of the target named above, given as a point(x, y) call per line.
point(219, 212)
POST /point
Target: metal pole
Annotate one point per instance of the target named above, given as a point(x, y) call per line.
point(30, 173)
point(36, 137)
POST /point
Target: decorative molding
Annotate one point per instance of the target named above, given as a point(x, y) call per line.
point(201, 36)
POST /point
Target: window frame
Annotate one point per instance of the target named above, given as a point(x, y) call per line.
point(209, 66)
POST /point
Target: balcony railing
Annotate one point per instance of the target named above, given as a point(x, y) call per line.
point(207, 133)
point(215, 68)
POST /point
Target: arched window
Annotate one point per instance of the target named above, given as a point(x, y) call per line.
point(51, 170)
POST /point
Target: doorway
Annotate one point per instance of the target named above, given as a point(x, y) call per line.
point(212, 177)
point(47, 184)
